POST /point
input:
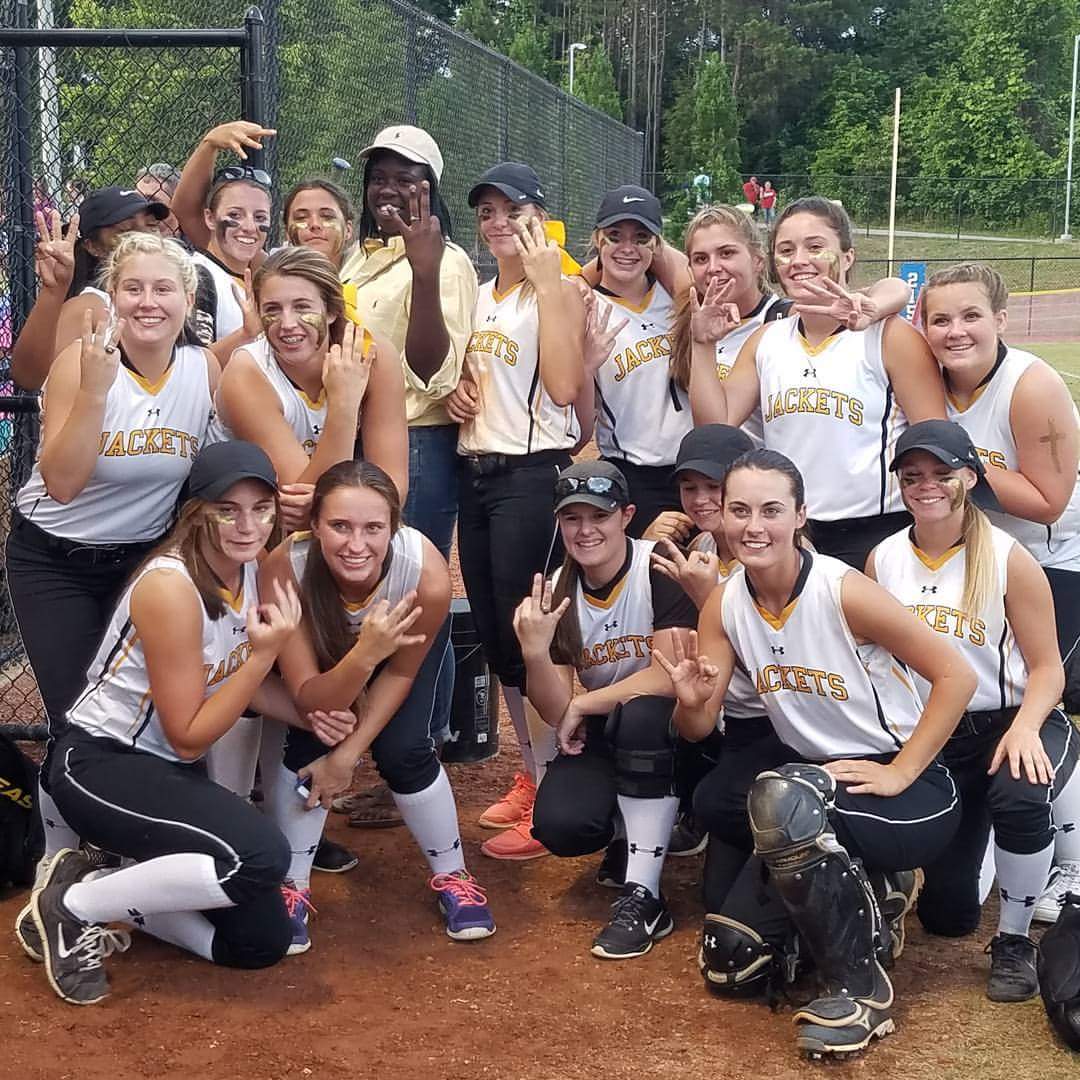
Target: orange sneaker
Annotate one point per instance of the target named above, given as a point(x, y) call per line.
point(517, 843)
point(513, 806)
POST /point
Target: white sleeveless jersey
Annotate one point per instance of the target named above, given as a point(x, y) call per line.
point(830, 408)
point(727, 352)
point(101, 294)
point(827, 696)
point(934, 589)
point(406, 556)
point(986, 420)
point(742, 700)
point(149, 436)
point(229, 315)
point(641, 415)
point(617, 633)
point(117, 701)
point(516, 415)
point(307, 418)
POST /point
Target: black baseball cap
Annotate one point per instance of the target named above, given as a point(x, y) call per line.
point(631, 203)
point(711, 450)
point(598, 483)
point(952, 446)
point(218, 466)
point(107, 206)
point(516, 181)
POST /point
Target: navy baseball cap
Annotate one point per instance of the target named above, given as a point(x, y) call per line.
point(218, 466)
point(711, 450)
point(952, 446)
point(597, 483)
point(107, 206)
point(519, 183)
point(631, 203)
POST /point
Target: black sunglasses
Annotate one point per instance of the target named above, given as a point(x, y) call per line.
point(243, 172)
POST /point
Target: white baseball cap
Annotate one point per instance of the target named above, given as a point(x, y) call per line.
point(412, 143)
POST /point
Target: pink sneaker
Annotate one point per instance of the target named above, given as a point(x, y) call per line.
point(517, 843)
point(513, 806)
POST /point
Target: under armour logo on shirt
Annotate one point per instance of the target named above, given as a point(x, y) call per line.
point(809, 373)
point(611, 625)
point(239, 629)
point(1027, 901)
point(315, 429)
point(777, 650)
point(153, 412)
point(929, 589)
point(136, 916)
point(655, 852)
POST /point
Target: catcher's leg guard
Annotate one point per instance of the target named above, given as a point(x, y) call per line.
point(1059, 972)
point(734, 959)
point(831, 903)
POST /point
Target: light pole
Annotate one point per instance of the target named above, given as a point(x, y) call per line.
point(1072, 130)
point(580, 45)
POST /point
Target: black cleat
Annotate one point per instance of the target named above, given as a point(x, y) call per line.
point(901, 891)
point(612, 870)
point(637, 920)
point(332, 858)
point(1059, 972)
point(1013, 968)
point(26, 933)
point(687, 836)
point(840, 1024)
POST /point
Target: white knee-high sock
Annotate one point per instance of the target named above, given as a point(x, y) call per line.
point(515, 706)
point(431, 817)
point(190, 930)
point(648, 829)
point(231, 761)
point(303, 828)
point(1065, 811)
point(543, 739)
point(987, 870)
point(1021, 880)
point(187, 881)
point(58, 833)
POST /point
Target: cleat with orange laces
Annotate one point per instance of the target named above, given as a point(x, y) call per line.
point(298, 904)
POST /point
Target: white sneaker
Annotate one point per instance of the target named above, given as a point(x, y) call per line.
point(1064, 878)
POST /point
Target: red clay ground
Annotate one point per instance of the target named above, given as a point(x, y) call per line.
point(384, 994)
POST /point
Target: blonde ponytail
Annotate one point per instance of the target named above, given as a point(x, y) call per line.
point(980, 567)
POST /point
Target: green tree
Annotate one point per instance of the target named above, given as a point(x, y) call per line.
point(594, 81)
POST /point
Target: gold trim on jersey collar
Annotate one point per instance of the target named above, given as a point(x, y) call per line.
point(152, 388)
point(318, 404)
point(637, 309)
point(777, 621)
point(500, 297)
point(978, 393)
point(236, 602)
point(612, 596)
point(815, 350)
point(932, 563)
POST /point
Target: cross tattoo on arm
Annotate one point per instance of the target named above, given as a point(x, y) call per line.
point(1053, 437)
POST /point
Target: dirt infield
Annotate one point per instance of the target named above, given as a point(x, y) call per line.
point(1047, 316)
point(384, 994)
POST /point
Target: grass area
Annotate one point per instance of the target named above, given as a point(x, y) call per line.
point(1064, 357)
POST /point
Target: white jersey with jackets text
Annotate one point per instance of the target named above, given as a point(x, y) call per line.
point(516, 414)
point(769, 309)
point(400, 577)
point(830, 408)
point(641, 414)
point(827, 696)
point(934, 590)
point(987, 421)
point(305, 417)
point(742, 701)
point(150, 434)
point(117, 701)
point(617, 633)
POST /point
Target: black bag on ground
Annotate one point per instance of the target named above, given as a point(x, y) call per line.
point(1071, 697)
point(21, 839)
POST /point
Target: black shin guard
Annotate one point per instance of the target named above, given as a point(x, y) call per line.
point(830, 902)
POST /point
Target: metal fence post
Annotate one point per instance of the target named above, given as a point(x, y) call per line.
point(253, 77)
point(22, 275)
point(1031, 294)
point(410, 69)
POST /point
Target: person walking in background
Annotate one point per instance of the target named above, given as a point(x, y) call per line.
point(157, 183)
point(752, 193)
point(767, 200)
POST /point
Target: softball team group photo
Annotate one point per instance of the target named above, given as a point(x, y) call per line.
point(769, 577)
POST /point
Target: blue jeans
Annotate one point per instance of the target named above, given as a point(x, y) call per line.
point(432, 508)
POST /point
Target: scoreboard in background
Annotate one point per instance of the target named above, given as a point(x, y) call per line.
point(914, 273)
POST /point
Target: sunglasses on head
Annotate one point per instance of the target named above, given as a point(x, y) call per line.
point(243, 172)
point(594, 485)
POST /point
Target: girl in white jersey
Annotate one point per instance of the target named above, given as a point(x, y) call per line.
point(517, 403)
point(834, 392)
point(615, 777)
point(1021, 417)
point(313, 385)
point(853, 791)
point(187, 649)
point(376, 594)
point(126, 409)
point(1014, 752)
point(641, 411)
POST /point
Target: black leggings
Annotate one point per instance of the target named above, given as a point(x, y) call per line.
point(1019, 811)
point(576, 803)
point(141, 806)
point(852, 540)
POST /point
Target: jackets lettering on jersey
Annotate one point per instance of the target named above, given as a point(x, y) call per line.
point(816, 400)
point(947, 620)
point(650, 348)
point(773, 678)
point(629, 646)
point(993, 457)
point(495, 344)
point(148, 441)
point(216, 673)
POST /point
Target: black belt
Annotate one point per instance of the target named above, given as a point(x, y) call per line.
point(78, 551)
point(979, 723)
point(843, 526)
point(490, 464)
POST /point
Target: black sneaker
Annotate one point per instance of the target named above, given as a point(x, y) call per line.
point(74, 951)
point(26, 933)
point(637, 920)
point(901, 890)
point(1013, 968)
point(612, 870)
point(687, 836)
point(332, 858)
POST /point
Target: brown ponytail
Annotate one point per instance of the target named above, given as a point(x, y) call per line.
point(566, 646)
